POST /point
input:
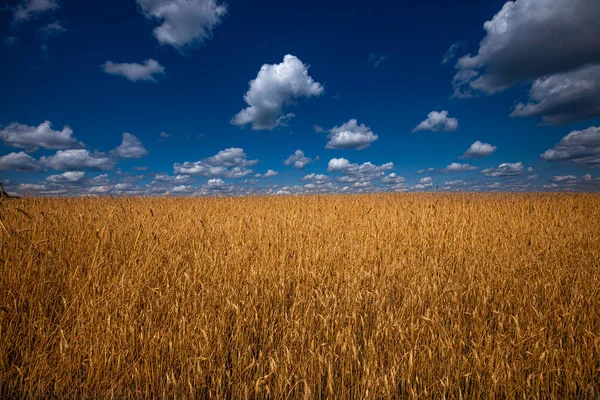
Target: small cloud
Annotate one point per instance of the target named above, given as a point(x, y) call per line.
point(457, 167)
point(10, 40)
point(318, 129)
point(269, 174)
point(130, 148)
point(32, 8)
point(53, 29)
point(421, 171)
point(298, 160)
point(135, 72)
point(375, 60)
point(164, 136)
point(350, 136)
point(20, 162)
point(479, 149)
point(437, 121)
point(504, 169)
point(71, 160)
point(450, 54)
point(31, 138)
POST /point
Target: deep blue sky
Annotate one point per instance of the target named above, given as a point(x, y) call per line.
point(60, 78)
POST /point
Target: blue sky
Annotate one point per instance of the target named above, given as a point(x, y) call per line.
point(206, 97)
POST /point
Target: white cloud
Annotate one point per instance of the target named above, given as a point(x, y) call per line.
point(504, 169)
point(298, 160)
point(275, 86)
point(318, 129)
point(450, 54)
point(67, 177)
point(421, 171)
point(350, 136)
point(135, 72)
point(32, 138)
point(529, 39)
point(457, 167)
point(228, 163)
point(437, 121)
point(68, 160)
point(31, 187)
point(479, 149)
point(269, 174)
point(30, 8)
point(21, 162)
point(183, 23)
point(130, 148)
point(217, 186)
point(459, 182)
point(563, 98)
point(581, 147)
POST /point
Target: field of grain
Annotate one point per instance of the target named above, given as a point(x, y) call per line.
point(374, 296)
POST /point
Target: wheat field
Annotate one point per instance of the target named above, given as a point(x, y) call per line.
point(358, 296)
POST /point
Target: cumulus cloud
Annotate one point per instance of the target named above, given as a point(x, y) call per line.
point(228, 163)
point(581, 147)
point(437, 121)
point(177, 179)
point(276, 86)
point(67, 177)
point(130, 148)
point(31, 138)
point(20, 162)
point(479, 149)
point(69, 160)
point(183, 23)
point(563, 98)
point(530, 39)
point(457, 167)
point(298, 160)
point(504, 169)
point(217, 186)
point(350, 136)
point(450, 54)
point(393, 179)
point(28, 9)
point(134, 71)
point(421, 171)
point(269, 174)
point(351, 172)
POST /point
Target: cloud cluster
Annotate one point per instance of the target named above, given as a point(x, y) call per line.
point(31, 138)
point(350, 136)
point(504, 169)
point(269, 174)
point(228, 163)
point(183, 23)
point(352, 172)
point(298, 160)
point(275, 86)
point(134, 71)
point(580, 147)
point(437, 121)
point(552, 42)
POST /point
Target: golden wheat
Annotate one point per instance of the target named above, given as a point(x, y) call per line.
point(374, 296)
